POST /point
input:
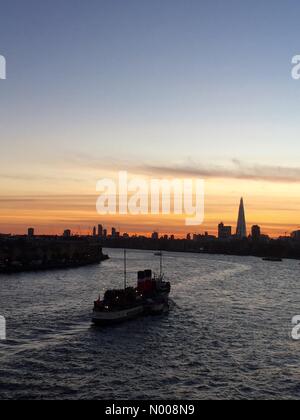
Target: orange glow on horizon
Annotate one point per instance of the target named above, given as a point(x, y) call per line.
point(52, 215)
point(273, 206)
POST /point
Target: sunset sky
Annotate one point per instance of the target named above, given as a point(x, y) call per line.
point(168, 88)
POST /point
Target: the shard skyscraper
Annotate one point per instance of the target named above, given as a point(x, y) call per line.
point(241, 230)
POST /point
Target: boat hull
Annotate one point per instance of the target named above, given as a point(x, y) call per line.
point(117, 317)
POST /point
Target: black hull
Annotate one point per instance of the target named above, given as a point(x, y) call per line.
point(146, 310)
point(117, 317)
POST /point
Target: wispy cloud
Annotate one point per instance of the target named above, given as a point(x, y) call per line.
point(236, 170)
point(37, 178)
point(233, 169)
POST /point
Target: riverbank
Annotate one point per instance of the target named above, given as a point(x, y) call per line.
point(49, 253)
point(286, 248)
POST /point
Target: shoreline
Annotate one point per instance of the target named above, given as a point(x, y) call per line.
point(54, 267)
point(36, 254)
point(261, 257)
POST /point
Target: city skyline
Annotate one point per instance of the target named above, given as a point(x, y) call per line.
point(153, 88)
point(222, 231)
point(32, 213)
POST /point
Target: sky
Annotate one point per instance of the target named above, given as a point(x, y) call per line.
point(158, 88)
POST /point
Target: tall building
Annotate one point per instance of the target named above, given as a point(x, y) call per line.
point(67, 233)
point(100, 231)
point(224, 232)
point(256, 232)
point(94, 231)
point(113, 232)
point(30, 233)
point(155, 236)
point(241, 230)
point(296, 235)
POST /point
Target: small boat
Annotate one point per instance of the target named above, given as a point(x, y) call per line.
point(272, 259)
point(150, 297)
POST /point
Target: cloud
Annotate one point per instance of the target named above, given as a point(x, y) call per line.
point(37, 178)
point(234, 169)
point(237, 170)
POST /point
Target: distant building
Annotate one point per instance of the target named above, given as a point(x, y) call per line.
point(296, 235)
point(113, 232)
point(104, 233)
point(155, 236)
point(67, 233)
point(172, 237)
point(30, 233)
point(224, 232)
point(100, 231)
point(241, 229)
point(94, 232)
point(205, 237)
point(256, 232)
point(188, 237)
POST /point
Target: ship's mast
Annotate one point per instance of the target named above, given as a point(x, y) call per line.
point(161, 264)
point(125, 269)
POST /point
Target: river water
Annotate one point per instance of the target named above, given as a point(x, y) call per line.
point(228, 334)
